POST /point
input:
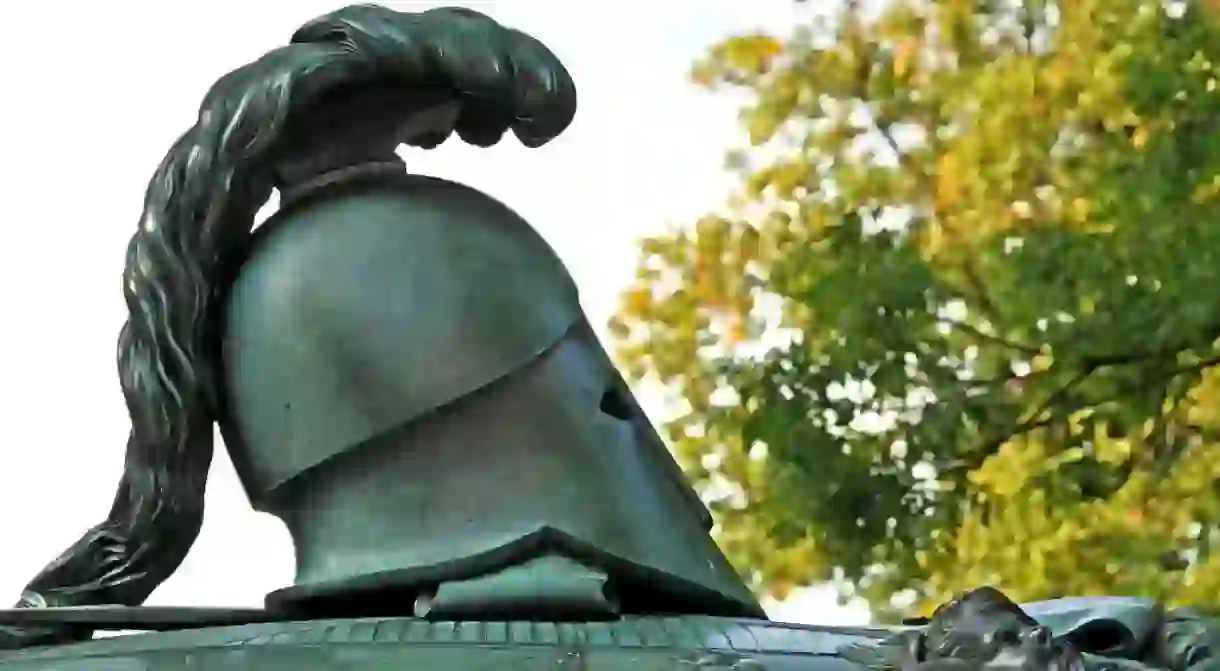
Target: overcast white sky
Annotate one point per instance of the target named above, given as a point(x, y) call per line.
point(97, 92)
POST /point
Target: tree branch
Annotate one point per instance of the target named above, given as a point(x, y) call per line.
point(1038, 417)
point(1024, 348)
point(977, 288)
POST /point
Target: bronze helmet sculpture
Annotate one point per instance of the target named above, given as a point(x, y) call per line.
point(402, 373)
point(430, 414)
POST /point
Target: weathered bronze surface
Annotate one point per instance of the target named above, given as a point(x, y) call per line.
point(981, 631)
point(376, 644)
point(984, 630)
point(450, 415)
point(402, 373)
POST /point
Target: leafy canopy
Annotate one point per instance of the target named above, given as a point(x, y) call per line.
point(959, 325)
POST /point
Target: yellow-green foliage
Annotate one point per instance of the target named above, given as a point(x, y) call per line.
point(993, 235)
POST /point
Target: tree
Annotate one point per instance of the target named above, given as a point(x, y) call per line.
point(959, 325)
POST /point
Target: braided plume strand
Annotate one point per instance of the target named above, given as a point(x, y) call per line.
point(199, 210)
